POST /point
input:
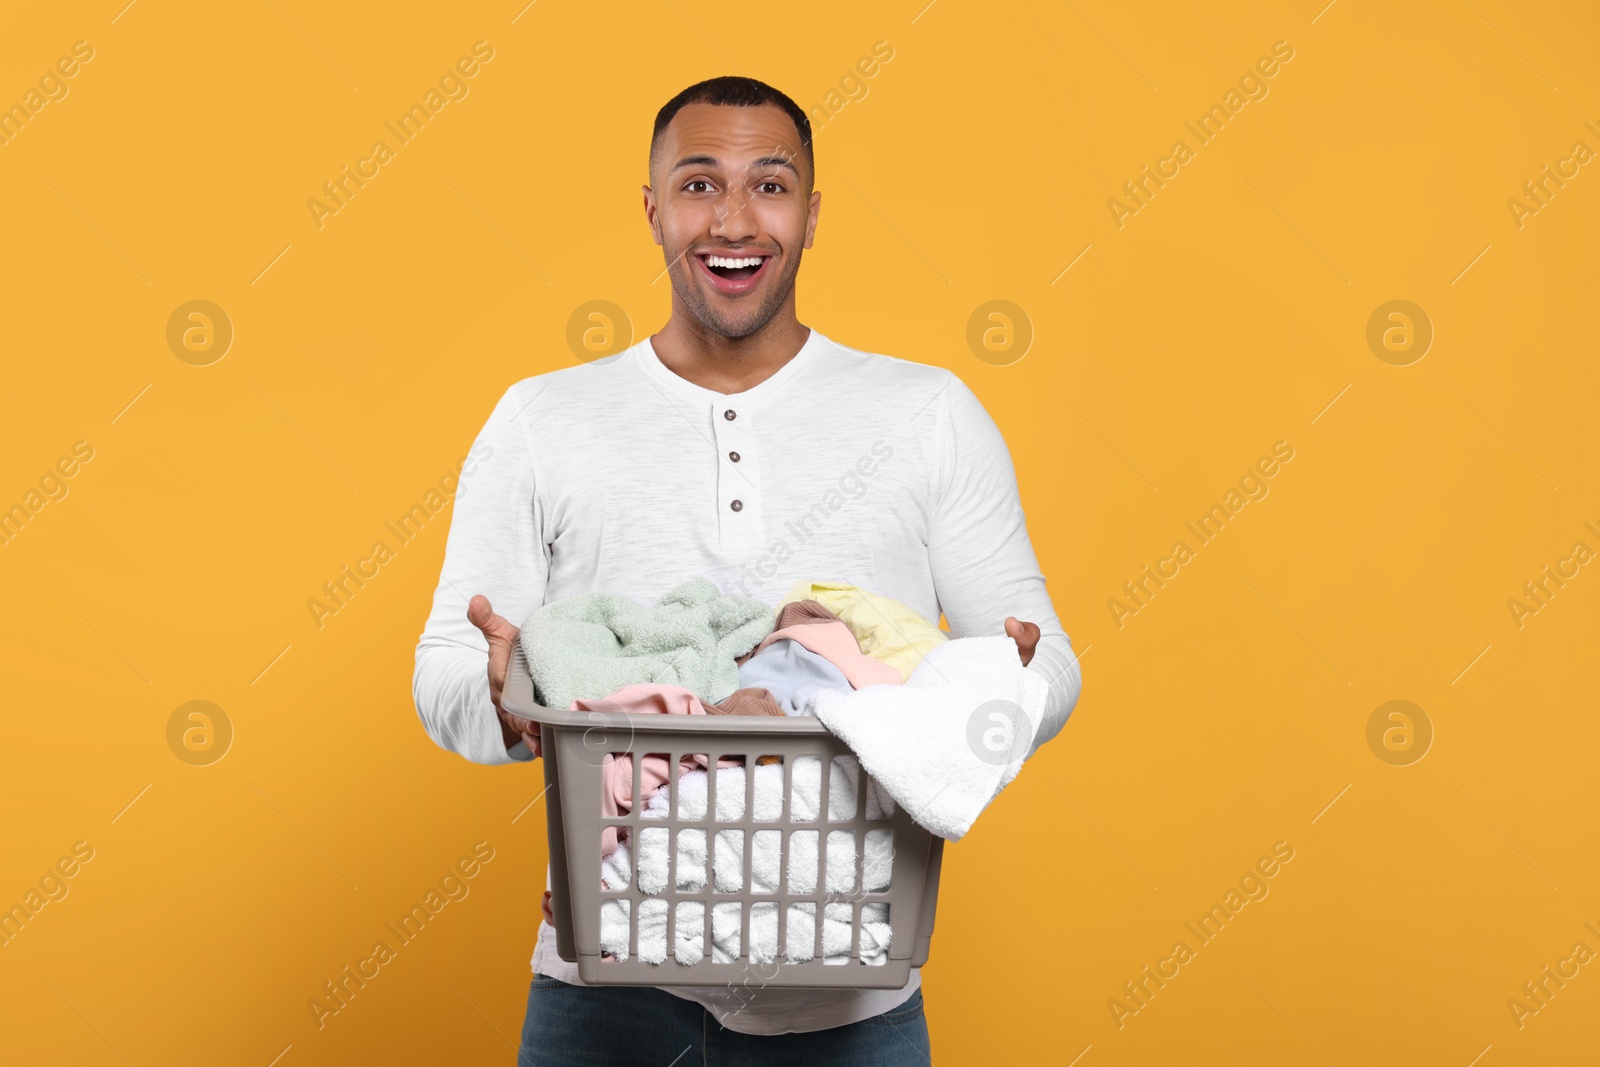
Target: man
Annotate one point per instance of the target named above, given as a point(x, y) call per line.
point(743, 446)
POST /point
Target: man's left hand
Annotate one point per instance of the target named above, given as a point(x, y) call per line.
point(1025, 634)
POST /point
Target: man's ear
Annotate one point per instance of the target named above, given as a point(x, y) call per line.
point(650, 213)
point(811, 215)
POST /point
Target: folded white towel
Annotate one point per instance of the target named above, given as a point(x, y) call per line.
point(877, 864)
point(728, 853)
point(843, 782)
point(802, 932)
point(947, 741)
point(802, 929)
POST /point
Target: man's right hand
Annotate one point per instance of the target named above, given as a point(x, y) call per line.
point(502, 637)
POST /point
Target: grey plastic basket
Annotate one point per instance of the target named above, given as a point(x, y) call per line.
point(574, 744)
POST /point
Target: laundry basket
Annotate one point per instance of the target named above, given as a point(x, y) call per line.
point(575, 745)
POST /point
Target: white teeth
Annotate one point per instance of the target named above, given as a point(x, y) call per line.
point(723, 261)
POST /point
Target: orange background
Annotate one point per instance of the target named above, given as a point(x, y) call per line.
point(1230, 312)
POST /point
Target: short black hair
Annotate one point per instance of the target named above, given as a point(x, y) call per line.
point(730, 91)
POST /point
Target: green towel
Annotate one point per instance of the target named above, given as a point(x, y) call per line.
point(592, 644)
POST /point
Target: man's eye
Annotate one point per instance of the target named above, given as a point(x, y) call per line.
point(690, 187)
point(774, 186)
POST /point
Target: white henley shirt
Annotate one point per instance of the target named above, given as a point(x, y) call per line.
point(620, 475)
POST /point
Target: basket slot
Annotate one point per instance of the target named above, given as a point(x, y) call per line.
point(726, 871)
point(877, 861)
point(732, 788)
point(805, 794)
point(616, 869)
point(727, 921)
point(878, 911)
point(648, 773)
point(844, 801)
point(690, 805)
point(652, 875)
point(842, 911)
point(763, 917)
point(691, 931)
point(802, 941)
point(802, 868)
point(691, 865)
point(615, 927)
point(652, 935)
point(841, 861)
point(764, 783)
point(766, 850)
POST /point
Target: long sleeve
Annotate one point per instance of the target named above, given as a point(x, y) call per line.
point(496, 547)
point(984, 567)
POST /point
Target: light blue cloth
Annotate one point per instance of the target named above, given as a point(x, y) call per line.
point(592, 644)
point(791, 672)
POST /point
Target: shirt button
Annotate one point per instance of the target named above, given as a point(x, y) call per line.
point(729, 415)
point(734, 456)
point(737, 506)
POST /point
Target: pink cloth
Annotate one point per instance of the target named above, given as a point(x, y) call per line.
point(834, 642)
point(616, 775)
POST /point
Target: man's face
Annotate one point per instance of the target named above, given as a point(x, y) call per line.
point(732, 183)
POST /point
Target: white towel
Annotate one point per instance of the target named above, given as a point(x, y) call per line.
point(939, 744)
point(843, 782)
point(802, 929)
point(727, 865)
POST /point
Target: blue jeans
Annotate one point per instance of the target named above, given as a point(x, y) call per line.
point(619, 1026)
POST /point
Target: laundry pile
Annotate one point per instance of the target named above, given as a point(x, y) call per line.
point(939, 725)
point(733, 654)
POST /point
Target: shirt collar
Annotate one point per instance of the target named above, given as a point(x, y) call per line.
point(645, 356)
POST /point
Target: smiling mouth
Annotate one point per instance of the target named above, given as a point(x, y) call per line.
point(733, 274)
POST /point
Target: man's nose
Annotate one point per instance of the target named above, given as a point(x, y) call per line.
point(735, 221)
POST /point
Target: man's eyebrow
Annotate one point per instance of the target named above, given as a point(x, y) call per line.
point(694, 161)
point(712, 161)
point(776, 161)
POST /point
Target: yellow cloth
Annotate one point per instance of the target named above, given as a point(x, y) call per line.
point(886, 629)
